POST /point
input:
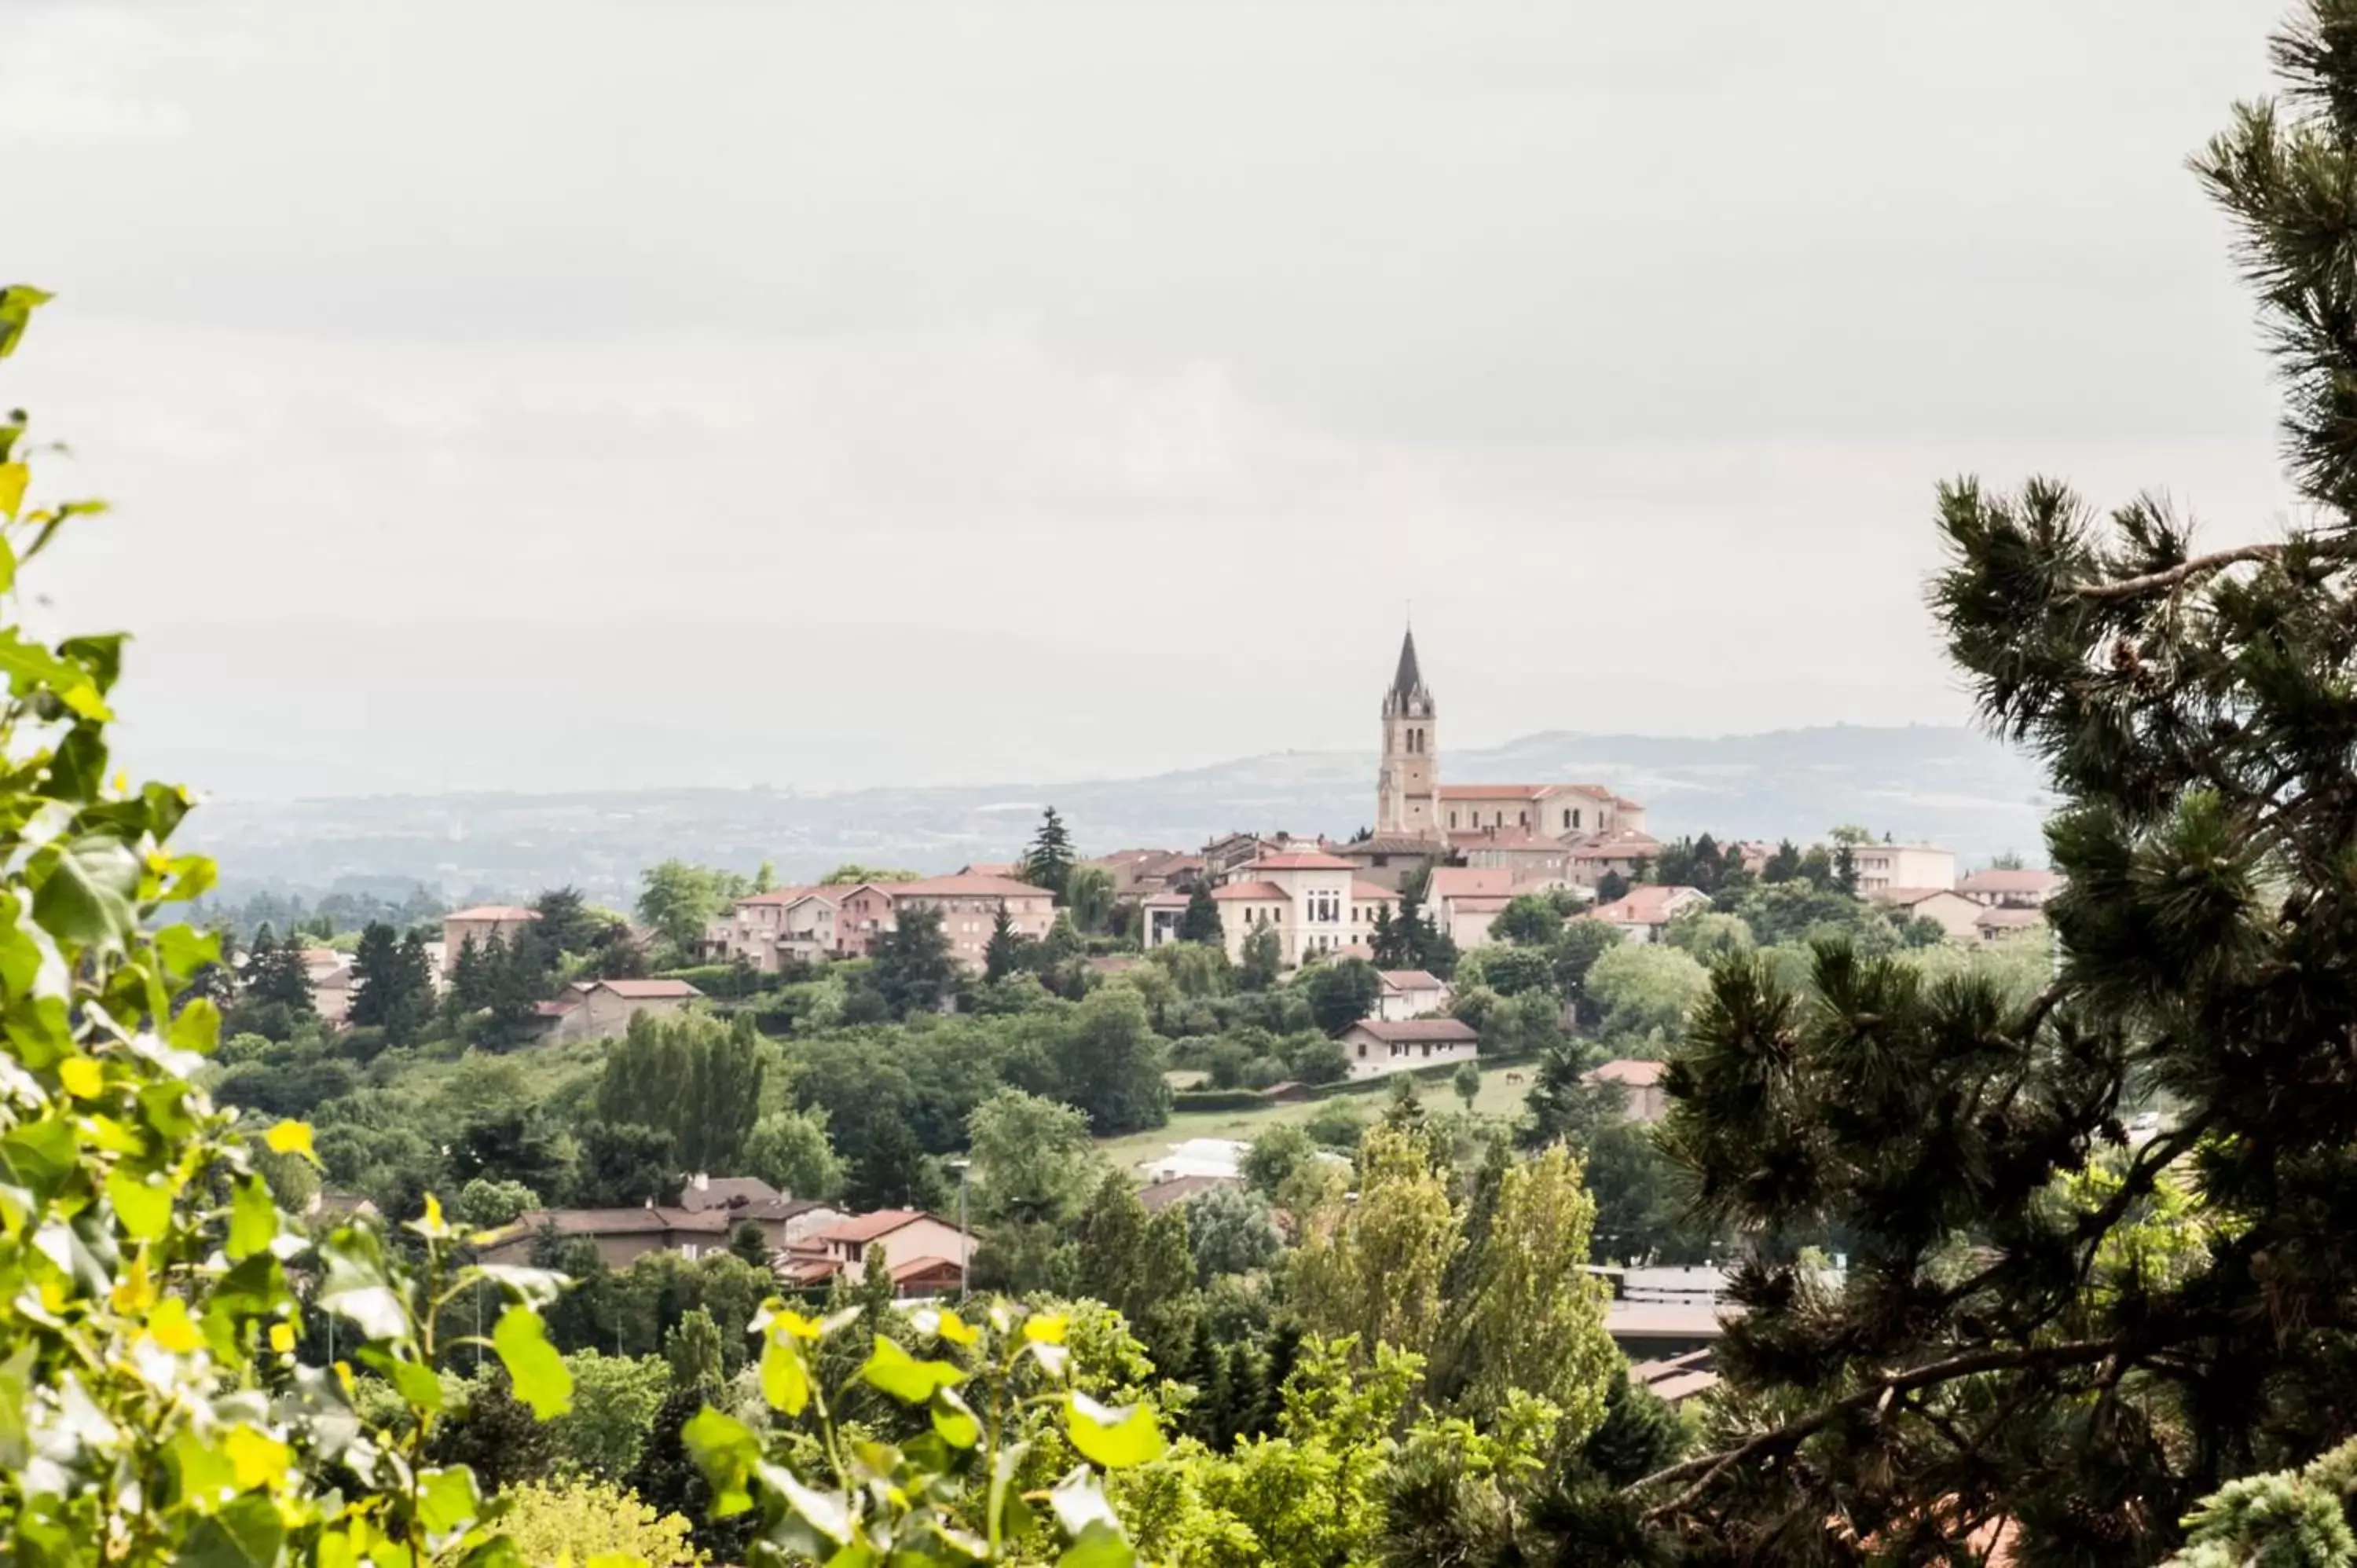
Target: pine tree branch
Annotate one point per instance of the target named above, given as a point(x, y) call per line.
point(2169, 577)
point(1710, 1467)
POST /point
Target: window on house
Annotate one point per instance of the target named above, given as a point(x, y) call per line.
point(1525, 818)
point(1452, 820)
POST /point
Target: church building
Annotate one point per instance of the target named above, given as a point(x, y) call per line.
point(1548, 835)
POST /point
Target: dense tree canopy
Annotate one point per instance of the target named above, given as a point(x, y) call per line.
point(2040, 1326)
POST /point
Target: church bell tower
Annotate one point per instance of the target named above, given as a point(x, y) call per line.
point(1407, 790)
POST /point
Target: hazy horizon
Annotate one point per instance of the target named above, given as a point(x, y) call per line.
point(589, 396)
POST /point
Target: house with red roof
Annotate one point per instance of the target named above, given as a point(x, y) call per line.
point(925, 1254)
point(602, 1009)
point(1641, 916)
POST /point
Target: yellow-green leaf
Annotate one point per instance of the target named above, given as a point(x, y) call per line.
point(256, 1458)
point(955, 1419)
point(785, 1381)
point(169, 1325)
point(143, 1204)
point(295, 1138)
point(13, 478)
point(534, 1366)
point(447, 1499)
point(903, 1376)
point(253, 1220)
point(1115, 1439)
point(81, 1077)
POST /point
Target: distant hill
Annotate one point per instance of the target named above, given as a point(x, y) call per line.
point(1947, 786)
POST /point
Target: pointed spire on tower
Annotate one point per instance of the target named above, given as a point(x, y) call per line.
point(1410, 679)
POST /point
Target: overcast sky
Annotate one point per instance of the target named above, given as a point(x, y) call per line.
point(592, 395)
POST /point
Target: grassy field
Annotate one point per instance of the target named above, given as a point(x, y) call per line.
point(1497, 1098)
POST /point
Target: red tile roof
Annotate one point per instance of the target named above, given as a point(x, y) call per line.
point(1649, 905)
point(1908, 898)
point(781, 896)
point(1299, 860)
point(1368, 892)
point(1497, 791)
point(865, 1227)
point(2015, 919)
point(1408, 979)
point(647, 990)
point(1264, 892)
point(1469, 881)
point(1635, 1074)
point(963, 886)
point(1619, 846)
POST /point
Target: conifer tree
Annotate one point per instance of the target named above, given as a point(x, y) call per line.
point(1050, 863)
point(2042, 1322)
point(1003, 954)
point(1200, 923)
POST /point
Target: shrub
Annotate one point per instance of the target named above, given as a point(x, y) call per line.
point(551, 1521)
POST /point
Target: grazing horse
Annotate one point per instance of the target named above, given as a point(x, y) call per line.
point(1513, 1077)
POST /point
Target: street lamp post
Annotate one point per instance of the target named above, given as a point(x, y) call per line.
point(965, 1241)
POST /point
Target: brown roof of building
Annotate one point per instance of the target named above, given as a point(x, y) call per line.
point(780, 896)
point(1648, 905)
point(2009, 920)
point(1005, 868)
point(625, 1221)
point(1391, 843)
point(1371, 893)
point(1264, 892)
point(1469, 881)
point(963, 886)
point(1413, 1030)
point(645, 990)
point(1627, 1071)
point(726, 1192)
point(1908, 898)
point(1408, 979)
point(1995, 881)
point(864, 1228)
point(1299, 860)
point(494, 912)
point(919, 1268)
point(1619, 846)
point(1503, 838)
point(1160, 1195)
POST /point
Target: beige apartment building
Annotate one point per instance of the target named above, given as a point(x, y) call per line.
point(1311, 900)
point(768, 929)
point(1882, 866)
point(969, 907)
point(480, 925)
